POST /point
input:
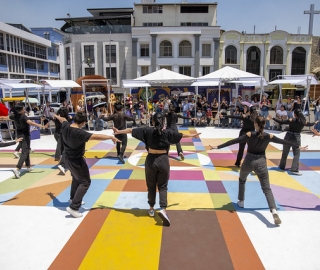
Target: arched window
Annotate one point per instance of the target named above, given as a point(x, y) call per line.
point(231, 55)
point(276, 55)
point(165, 49)
point(253, 60)
point(298, 66)
point(185, 49)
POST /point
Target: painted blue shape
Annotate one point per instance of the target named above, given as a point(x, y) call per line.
point(42, 166)
point(309, 155)
point(190, 186)
point(95, 190)
point(131, 200)
point(7, 196)
point(108, 162)
point(199, 147)
point(123, 174)
point(309, 179)
point(254, 197)
point(310, 162)
point(196, 139)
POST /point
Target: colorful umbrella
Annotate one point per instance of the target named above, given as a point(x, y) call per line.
point(3, 110)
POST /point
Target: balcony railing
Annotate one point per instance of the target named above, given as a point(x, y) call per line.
point(98, 29)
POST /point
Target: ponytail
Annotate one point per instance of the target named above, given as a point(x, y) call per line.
point(299, 116)
point(260, 121)
point(158, 124)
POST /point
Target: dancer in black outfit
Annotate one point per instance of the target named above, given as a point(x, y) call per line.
point(247, 118)
point(293, 134)
point(157, 167)
point(255, 160)
point(172, 119)
point(74, 139)
point(22, 124)
point(119, 122)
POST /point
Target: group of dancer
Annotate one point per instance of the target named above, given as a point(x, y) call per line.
point(71, 139)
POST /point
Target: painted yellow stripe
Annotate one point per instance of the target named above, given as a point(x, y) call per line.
point(129, 239)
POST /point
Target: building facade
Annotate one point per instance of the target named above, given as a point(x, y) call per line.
point(271, 54)
point(182, 37)
point(24, 55)
point(98, 45)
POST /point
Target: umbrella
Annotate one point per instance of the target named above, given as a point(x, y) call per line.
point(246, 104)
point(101, 104)
point(3, 110)
point(184, 94)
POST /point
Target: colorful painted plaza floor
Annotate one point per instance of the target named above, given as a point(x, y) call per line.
point(208, 230)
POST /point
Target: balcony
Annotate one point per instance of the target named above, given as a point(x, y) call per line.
point(98, 29)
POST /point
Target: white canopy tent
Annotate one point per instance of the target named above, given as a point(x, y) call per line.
point(157, 78)
point(304, 80)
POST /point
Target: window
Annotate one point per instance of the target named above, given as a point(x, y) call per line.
point(3, 59)
point(89, 71)
point(150, 24)
point(276, 55)
point(231, 55)
point(28, 48)
point(9, 63)
point(253, 60)
point(41, 52)
point(89, 53)
point(194, 9)
point(152, 9)
point(113, 75)
point(30, 64)
point(144, 50)
point(40, 65)
point(298, 61)
point(68, 56)
point(166, 67)
point(68, 74)
point(273, 73)
point(165, 48)
point(8, 43)
point(185, 49)
point(1, 41)
point(51, 52)
point(144, 70)
point(194, 24)
point(206, 50)
point(46, 35)
point(112, 53)
point(185, 71)
point(54, 68)
point(11, 40)
point(205, 70)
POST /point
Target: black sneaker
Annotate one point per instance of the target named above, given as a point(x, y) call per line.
point(120, 157)
point(295, 172)
point(164, 217)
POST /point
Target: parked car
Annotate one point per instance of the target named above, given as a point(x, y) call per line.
point(56, 106)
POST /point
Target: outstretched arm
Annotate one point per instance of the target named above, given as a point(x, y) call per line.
point(102, 137)
point(4, 144)
point(37, 125)
point(4, 118)
point(241, 139)
point(191, 135)
point(284, 142)
point(123, 131)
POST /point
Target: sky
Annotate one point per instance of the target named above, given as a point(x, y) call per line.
point(241, 15)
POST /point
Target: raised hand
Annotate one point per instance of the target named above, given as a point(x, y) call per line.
point(19, 140)
point(303, 147)
point(315, 132)
point(115, 140)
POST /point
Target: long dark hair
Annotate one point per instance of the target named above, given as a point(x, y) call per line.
point(253, 113)
point(260, 121)
point(158, 124)
point(299, 116)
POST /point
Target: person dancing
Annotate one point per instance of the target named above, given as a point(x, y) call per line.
point(247, 117)
point(157, 167)
point(119, 122)
point(255, 160)
point(293, 134)
point(23, 124)
point(172, 119)
point(74, 139)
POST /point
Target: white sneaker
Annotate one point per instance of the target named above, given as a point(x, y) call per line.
point(240, 204)
point(165, 219)
point(16, 155)
point(181, 156)
point(74, 213)
point(62, 170)
point(70, 201)
point(16, 173)
point(276, 217)
point(151, 212)
point(29, 169)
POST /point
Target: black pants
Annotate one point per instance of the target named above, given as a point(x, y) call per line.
point(178, 145)
point(121, 146)
point(25, 154)
point(80, 180)
point(57, 137)
point(157, 175)
point(241, 148)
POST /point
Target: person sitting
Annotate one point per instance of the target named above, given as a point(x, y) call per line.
point(236, 123)
point(199, 117)
point(281, 114)
point(98, 123)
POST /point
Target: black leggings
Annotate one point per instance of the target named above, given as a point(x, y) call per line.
point(121, 146)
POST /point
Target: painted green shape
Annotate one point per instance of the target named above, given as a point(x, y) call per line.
point(222, 201)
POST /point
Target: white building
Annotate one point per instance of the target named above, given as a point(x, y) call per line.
point(182, 37)
point(24, 55)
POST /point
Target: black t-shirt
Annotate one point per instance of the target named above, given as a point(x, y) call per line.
point(158, 142)
point(295, 125)
point(74, 140)
point(119, 120)
point(20, 121)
